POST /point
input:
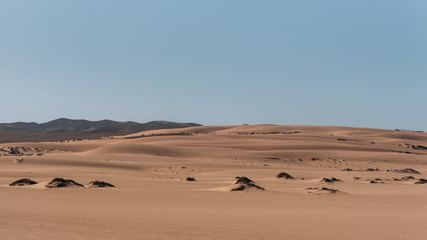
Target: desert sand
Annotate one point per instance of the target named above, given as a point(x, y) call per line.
point(152, 199)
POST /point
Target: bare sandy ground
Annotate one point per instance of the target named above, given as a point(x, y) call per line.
point(152, 199)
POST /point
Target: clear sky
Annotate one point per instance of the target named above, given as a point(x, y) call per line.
point(347, 63)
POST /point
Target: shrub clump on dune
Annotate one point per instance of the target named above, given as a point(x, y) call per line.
point(284, 175)
point(323, 190)
point(330, 180)
point(99, 184)
point(421, 181)
point(328, 190)
point(60, 183)
point(245, 184)
point(407, 178)
point(23, 182)
point(406, 170)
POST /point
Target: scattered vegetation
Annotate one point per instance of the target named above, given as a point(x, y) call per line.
point(415, 147)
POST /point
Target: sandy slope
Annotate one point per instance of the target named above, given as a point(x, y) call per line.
point(153, 201)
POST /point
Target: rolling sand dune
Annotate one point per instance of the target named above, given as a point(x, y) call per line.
point(152, 199)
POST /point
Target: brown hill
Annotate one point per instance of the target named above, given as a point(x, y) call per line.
point(66, 129)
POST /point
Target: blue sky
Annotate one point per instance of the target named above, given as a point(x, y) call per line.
point(348, 63)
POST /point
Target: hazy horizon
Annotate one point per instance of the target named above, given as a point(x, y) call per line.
point(334, 63)
point(95, 120)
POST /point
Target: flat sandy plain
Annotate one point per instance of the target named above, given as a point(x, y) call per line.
point(152, 199)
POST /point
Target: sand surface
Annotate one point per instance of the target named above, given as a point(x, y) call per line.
point(152, 199)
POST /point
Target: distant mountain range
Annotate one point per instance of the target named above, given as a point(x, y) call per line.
point(64, 128)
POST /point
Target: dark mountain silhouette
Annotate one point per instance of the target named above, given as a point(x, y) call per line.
point(63, 128)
